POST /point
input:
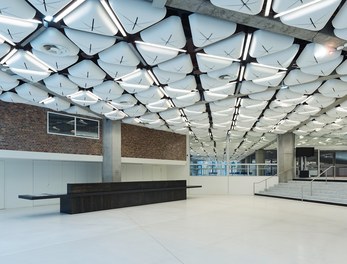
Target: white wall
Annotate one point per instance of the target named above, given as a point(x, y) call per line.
point(143, 172)
point(2, 185)
point(25, 176)
point(234, 185)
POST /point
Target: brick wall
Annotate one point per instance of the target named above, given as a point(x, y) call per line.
point(141, 142)
point(24, 127)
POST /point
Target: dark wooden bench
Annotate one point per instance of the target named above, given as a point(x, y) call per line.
point(88, 197)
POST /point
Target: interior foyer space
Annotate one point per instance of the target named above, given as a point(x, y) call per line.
point(203, 229)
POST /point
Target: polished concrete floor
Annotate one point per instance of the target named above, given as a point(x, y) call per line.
point(202, 229)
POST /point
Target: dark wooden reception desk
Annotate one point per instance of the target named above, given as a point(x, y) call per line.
point(88, 197)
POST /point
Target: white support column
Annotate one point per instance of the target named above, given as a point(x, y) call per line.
point(111, 165)
point(285, 157)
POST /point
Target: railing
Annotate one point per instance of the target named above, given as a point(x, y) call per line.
point(326, 176)
point(266, 180)
point(233, 169)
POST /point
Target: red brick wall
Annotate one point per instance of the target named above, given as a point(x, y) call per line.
point(141, 142)
point(24, 127)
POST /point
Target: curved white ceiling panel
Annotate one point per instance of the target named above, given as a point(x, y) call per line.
point(108, 90)
point(50, 7)
point(116, 71)
point(171, 114)
point(315, 53)
point(227, 89)
point(281, 107)
point(248, 87)
point(339, 21)
point(61, 85)
point(165, 77)
point(174, 92)
point(307, 88)
point(101, 108)
point(208, 64)
point(85, 82)
point(229, 48)
point(149, 118)
point(208, 83)
point(212, 96)
point(247, 7)
point(319, 100)
point(181, 64)
point(253, 104)
point(17, 8)
point(137, 110)
point(86, 69)
point(255, 71)
point(121, 54)
point(56, 62)
point(280, 6)
point(136, 15)
point(26, 61)
point(4, 48)
point(161, 105)
point(273, 115)
point(53, 42)
point(88, 42)
point(229, 73)
point(325, 119)
point(342, 69)
point(186, 100)
point(267, 95)
point(15, 29)
point(337, 112)
point(115, 115)
point(298, 117)
point(153, 94)
point(7, 81)
point(295, 77)
point(168, 32)
point(333, 88)
point(76, 110)
point(273, 80)
point(188, 83)
point(84, 98)
point(12, 97)
point(280, 59)
point(223, 104)
point(265, 43)
point(341, 33)
point(307, 110)
point(90, 16)
point(286, 95)
point(133, 88)
point(138, 77)
point(323, 69)
point(57, 104)
point(207, 30)
point(312, 17)
point(31, 93)
point(124, 102)
point(155, 55)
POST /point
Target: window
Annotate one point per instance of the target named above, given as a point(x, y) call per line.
point(67, 125)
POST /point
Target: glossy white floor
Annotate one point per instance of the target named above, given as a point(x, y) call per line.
point(202, 229)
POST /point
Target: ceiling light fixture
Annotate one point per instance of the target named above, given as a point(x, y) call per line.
point(268, 66)
point(297, 8)
point(47, 100)
point(8, 56)
point(247, 46)
point(268, 8)
point(18, 21)
point(113, 17)
point(163, 91)
point(152, 76)
point(217, 57)
point(242, 72)
point(68, 10)
point(159, 46)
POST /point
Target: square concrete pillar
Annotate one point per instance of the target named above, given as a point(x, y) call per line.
point(286, 157)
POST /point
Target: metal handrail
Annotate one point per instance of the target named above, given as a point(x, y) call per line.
point(265, 180)
point(326, 176)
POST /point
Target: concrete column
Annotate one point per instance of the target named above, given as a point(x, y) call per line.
point(111, 165)
point(285, 157)
point(260, 158)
